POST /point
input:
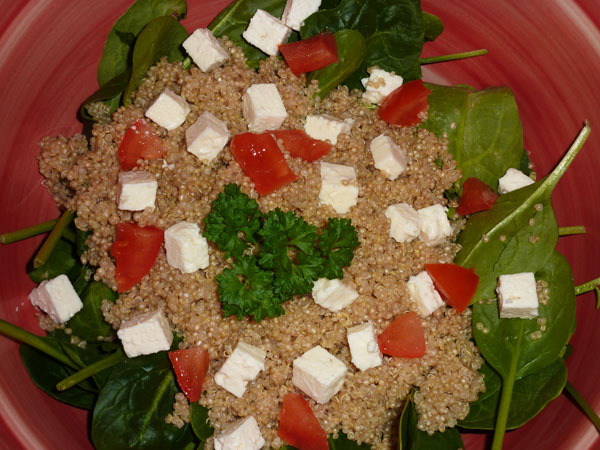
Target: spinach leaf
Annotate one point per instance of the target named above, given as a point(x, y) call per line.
point(343, 443)
point(200, 423)
point(88, 323)
point(432, 26)
point(109, 92)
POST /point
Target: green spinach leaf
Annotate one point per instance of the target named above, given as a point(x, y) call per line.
point(110, 92)
point(200, 423)
point(88, 323)
point(432, 26)
point(343, 443)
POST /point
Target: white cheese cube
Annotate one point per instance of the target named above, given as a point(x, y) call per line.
point(388, 156)
point(297, 10)
point(137, 190)
point(333, 294)
point(364, 347)
point(405, 223)
point(243, 434)
point(187, 249)
point(57, 298)
point(339, 187)
point(512, 180)
point(242, 366)
point(263, 108)
point(423, 293)
point(145, 334)
point(517, 296)
point(169, 110)
point(319, 374)
point(266, 32)
point(206, 137)
point(326, 128)
point(379, 85)
point(206, 51)
point(434, 224)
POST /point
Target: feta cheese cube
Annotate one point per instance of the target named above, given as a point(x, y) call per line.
point(379, 85)
point(388, 156)
point(434, 224)
point(339, 187)
point(206, 137)
point(187, 249)
point(297, 10)
point(512, 180)
point(319, 374)
point(333, 294)
point(145, 334)
point(266, 32)
point(405, 223)
point(517, 296)
point(363, 346)
point(205, 50)
point(137, 190)
point(326, 127)
point(169, 110)
point(57, 298)
point(243, 434)
point(263, 108)
point(424, 294)
point(242, 366)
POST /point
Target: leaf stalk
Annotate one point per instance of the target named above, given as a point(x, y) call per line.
point(453, 56)
point(88, 371)
point(46, 249)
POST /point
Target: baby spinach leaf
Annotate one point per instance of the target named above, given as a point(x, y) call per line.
point(199, 422)
point(88, 323)
point(432, 26)
point(110, 92)
point(343, 443)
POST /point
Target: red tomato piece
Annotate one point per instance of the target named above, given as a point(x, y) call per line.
point(262, 161)
point(404, 337)
point(476, 196)
point(301, 145)
point(310, 54)
point(298, 425)
point(134, 251)
point(455, 284)
point(140, 142)
point(403, 106)
point(190, 366)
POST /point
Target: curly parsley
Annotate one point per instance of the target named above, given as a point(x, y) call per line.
point(337, 244)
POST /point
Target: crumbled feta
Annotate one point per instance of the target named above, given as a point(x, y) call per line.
point(333, 294)
point(266, 32)
point(297, 10)
point(512, 180)
point(388, 156)
point(145, 333)
point(319, 374)
point(517, 296)
point(326, 127)
point(169, 110)
point(379, 85)
point(205, 50)
point(206, 137)
point(187, 249)
point(434, 224)
point(137, 190)
point(363, 346)
point(243, 434)
point(57, 298)
point(405, 223)
point(242, 366)
point(424, 294)
point(339, 187)
point(263, 108)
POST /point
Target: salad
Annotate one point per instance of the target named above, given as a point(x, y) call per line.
point(432, 109)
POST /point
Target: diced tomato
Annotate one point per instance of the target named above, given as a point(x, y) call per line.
point(190, 366)
point(298, 425)
point(455, 284)
point(404, 337)
point(403, 105)
point(262, 161)
point(301, 145)
point(140, 142)
point(476, 196)
point(134, 251)
point(310, 54)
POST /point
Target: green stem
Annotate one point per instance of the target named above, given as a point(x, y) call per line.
point(92, 369)
point(568, 231)
point(44, 252)
point(585, 406)
point(453, 56)
point(587, 287)
point(25, 233)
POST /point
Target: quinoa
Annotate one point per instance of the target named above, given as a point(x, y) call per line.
point(367, 408)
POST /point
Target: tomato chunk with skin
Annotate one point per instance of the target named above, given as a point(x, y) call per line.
point(403, 106)
point(301, 145)
point(476, 196)
point(404, 337)
point(455, 284)
point(262, 161)
point(310, 54)
point(135, 251)
point(298, 425)
point(190, 366)
point(140, 142)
